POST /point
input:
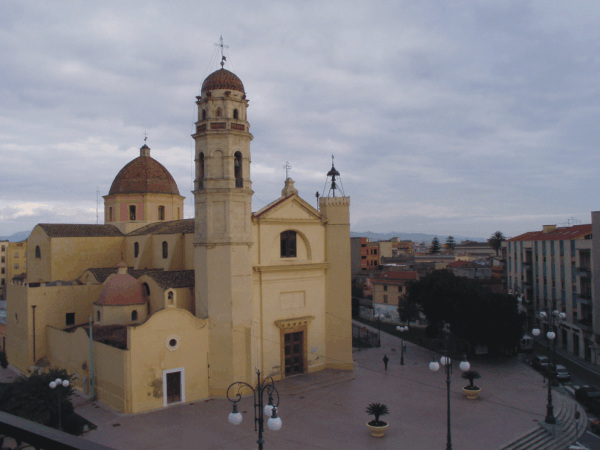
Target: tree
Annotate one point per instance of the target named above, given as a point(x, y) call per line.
point(473, 312)
point(495, 241)
point(450, 243)
point(435, 246)
point(32, 398)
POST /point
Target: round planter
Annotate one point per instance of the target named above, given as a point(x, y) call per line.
point(472, 394)
point(377, 431)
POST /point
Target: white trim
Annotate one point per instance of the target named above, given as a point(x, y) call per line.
point(182, 386)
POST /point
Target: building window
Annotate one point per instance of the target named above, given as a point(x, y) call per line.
point(38, 252)
point(170, 298)
point(3, 248)
point(2, 281)
point(3, 259)
point(70, 319)
point(2, 270)
point(385, 288)
point(132, 212)
point(203, 114)
point(165, 250)
point(237, 165)
point(235, 114)
point(161, 213)
point(110, 214)
point(146, 289)
point(136, 249)
point(97, 316)
point(134, 315)
point(385, 298)
point(201, 171)
point(16, 265)
point(288, 244)
point(16, 254)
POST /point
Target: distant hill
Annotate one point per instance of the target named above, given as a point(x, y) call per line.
point(16, 237)
point(415, 237)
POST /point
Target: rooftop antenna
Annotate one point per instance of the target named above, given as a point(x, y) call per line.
point(223, 46)
point(287, 168)
point(97, 203)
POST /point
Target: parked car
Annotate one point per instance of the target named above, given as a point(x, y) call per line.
point(561, 373)
point(540, 362)
point(586, 395)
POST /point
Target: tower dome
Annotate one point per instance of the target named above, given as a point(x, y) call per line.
point(223, 79)
point(122, 289)
point(144, 175)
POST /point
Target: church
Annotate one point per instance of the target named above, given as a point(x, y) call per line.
point(150, 309)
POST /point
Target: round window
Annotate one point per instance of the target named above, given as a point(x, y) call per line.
point(172, 342)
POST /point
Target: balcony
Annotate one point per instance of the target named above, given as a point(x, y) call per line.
point(23, 432)
point(584, 272)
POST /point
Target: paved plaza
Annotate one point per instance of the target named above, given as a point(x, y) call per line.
point(314, 416)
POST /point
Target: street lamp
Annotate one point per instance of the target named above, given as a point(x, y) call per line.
point(378, 317)
point(402, 329)
point(445, 361)
point(234, 395)
point(58, 383)
point(552, 320)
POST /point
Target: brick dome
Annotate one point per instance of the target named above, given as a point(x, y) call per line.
point(144, 175)
point(223, 79)
point(122, 289)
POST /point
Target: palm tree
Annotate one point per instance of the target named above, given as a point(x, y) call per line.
point(377, 410)
point(495, 241)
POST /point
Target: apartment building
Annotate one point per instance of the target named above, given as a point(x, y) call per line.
point(558, 268)
point(3, 270)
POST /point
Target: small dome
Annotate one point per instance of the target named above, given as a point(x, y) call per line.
point(144, 175)
point(122, 289)
point(223, 79)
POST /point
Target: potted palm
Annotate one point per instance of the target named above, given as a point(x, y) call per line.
point(471, 391)
point(377, 426)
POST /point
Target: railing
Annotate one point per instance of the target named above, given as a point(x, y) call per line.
point(16, 432)
point(362, 337)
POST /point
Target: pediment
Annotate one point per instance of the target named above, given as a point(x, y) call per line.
point(291, 208)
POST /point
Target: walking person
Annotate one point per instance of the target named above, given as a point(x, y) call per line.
point(385, 361)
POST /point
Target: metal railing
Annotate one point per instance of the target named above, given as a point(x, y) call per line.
point(362, 337)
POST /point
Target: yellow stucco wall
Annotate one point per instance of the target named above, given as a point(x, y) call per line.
point(52, 303)
point(152, 354)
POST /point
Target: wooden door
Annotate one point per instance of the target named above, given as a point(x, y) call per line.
point(294, 353)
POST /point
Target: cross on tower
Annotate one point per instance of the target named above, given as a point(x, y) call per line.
point(287, 168)
point(145, 136)
point(220, 44)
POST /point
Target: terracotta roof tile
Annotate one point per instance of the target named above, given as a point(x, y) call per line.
point(185, 226)
point(173, 279)
point(560, 234)
point(79, 230)
point(222, 79)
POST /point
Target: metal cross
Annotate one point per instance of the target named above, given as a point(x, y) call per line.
point(287, 168)
point(145, 136)
point(220, 44)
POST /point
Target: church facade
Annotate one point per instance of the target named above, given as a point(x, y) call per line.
point(150, 309)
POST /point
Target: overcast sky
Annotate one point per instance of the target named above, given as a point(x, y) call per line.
point(459, 117)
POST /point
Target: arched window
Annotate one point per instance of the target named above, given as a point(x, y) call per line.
point(170, 298)
point(235, 114)
point(136, 249)
point(131, 212)
point(219, 112)
point(237, 165)
point(110, 214)
point(38, 252)
point(203, 114)
point(146, 289)
point(165, 250)
point(161, 213)
point(134, 315)
point(288, 244)
point(201, 171)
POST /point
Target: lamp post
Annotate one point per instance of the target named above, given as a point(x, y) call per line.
point(402, 329)
point(58, 383)
point(234, 395)
point(445, 361)
point(552, 320)
point(378, 317)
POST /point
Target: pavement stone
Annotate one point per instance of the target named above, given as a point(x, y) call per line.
point(512, 401)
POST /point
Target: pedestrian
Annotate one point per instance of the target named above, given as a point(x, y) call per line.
point(385, 361)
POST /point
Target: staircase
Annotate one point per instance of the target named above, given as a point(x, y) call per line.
point(555, 437)
point(312, 381)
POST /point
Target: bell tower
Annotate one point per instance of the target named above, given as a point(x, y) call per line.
point(223, 228)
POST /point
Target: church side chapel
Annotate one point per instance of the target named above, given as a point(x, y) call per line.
point(150, 309)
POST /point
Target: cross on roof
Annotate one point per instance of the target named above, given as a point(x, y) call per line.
point(220, 44)
point(287, 168)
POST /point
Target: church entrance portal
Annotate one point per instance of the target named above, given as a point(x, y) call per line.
point(173, 386)
point(294, 353)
